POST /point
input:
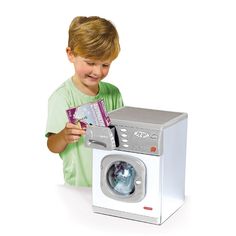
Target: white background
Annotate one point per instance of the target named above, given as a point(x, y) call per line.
point(176, 55)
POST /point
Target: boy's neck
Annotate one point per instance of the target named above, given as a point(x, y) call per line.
point(90, 91)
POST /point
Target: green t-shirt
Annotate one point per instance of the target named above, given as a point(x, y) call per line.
point(77, 159)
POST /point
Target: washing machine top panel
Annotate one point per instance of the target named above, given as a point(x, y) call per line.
point(145, 117)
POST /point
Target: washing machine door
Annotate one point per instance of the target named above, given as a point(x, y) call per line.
point(123, 178)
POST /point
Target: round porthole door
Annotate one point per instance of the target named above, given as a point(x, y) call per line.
point(123, 178)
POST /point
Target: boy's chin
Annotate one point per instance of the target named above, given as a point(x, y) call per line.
point(92, 81)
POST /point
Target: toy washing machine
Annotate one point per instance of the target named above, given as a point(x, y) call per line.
point(139, 164)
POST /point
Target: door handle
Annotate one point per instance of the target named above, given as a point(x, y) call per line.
point(97, 142)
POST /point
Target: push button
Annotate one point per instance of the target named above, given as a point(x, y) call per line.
point(153, 149)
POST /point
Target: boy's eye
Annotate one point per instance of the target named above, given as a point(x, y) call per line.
point(105, 65)
point(90, 63)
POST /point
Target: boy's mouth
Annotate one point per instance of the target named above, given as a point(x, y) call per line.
point(93, 78)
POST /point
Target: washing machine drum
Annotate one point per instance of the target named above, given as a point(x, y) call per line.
point(120, 177)
point(123, 178)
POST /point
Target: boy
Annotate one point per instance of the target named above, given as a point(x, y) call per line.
point(92, 46)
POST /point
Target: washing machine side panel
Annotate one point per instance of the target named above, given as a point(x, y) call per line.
point(173, 168)
point(151, 204)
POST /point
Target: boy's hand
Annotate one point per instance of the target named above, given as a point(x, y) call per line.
point(72, 133)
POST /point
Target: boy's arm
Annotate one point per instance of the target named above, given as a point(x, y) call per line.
point(70, 134)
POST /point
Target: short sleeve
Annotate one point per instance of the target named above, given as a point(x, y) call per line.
point(57, 118)
point(119, 100)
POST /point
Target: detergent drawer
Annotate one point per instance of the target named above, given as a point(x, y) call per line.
point(104, 138)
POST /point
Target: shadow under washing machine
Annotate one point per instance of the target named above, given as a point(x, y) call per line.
point(139, 164)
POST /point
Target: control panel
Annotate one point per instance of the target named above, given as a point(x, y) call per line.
point(140, 140)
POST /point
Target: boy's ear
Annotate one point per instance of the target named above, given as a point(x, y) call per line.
point(70, 54)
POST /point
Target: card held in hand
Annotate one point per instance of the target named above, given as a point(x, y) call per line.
point(89, 114)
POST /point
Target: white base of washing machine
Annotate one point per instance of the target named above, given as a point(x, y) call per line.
point(127, 215)
point(131, 216)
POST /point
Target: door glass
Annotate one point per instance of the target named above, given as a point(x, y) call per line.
point(120, 177)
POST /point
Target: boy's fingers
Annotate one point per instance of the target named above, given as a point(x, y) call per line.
point(75, 138)
point(73, 131)
point(77, 131)
point(71, 125)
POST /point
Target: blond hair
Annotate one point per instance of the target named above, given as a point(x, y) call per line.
point(94, 38)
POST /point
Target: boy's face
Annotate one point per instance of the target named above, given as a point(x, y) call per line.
point(89, 72)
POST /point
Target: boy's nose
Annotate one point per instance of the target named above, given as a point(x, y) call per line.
point(97, 70)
